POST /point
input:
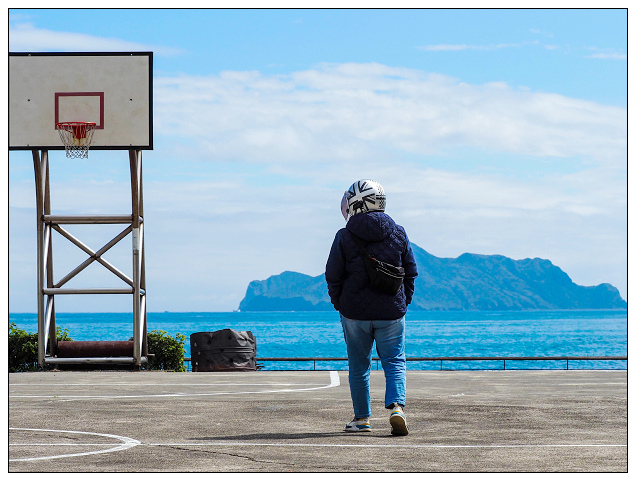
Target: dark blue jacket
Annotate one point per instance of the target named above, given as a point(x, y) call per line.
point(346, 275)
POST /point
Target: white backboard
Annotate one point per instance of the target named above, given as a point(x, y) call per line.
point(112, 89)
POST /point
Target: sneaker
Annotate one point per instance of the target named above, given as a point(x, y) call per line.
point(358, 425)
point(398, 421)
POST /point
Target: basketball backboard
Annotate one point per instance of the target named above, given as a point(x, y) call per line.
point(112, 89)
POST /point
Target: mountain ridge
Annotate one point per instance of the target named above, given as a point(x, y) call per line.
point(469, 282)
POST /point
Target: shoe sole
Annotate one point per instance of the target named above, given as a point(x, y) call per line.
point(358, 430)
point(398, 425)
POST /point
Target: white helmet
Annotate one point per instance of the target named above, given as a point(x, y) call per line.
point(363, 196)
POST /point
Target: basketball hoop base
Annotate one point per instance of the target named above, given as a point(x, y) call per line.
point(76, 137)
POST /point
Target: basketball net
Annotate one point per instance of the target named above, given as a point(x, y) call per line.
point(76, 137)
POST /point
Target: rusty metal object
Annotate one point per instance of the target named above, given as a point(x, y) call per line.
point(74, 349)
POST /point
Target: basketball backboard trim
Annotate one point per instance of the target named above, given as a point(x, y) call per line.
point(98, 98)
point(99, 95)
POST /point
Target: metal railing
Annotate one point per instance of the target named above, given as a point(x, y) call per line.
point(441, 360)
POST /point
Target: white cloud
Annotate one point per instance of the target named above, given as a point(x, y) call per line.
point(25, 37)
point(538, 31)
point(340, 112)
point(460, 47)
point(608, 56)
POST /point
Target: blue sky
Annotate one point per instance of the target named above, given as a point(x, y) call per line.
point(492, 131)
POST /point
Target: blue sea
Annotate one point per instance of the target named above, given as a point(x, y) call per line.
point(428, 334)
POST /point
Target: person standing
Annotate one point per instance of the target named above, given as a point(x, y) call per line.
point(366, 314)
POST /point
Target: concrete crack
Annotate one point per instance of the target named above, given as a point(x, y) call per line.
point(243, 456)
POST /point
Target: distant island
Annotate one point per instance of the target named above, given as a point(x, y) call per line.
point(470, 282)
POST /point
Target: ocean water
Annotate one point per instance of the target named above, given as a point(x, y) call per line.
point(428, 334)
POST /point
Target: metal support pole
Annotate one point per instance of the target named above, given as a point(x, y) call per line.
point(46, 310)
point(142, 267)
point(39, 210)
point(139, 304)
point(135, 249)
point(52, 338)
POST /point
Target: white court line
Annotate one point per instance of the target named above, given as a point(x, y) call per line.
point(334, 379)
point(127, 443)
point(384, 446)
point(207, 384)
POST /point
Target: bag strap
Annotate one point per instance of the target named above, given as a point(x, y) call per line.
point(360, 245)
point(363, 250)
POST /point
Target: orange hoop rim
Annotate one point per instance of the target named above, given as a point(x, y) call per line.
point(73, 126)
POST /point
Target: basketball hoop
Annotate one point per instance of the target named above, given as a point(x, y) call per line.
point(76, 137)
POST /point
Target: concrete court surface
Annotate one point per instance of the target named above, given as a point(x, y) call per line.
point(292, 421)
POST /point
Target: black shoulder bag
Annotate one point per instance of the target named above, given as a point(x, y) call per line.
point(384, 277)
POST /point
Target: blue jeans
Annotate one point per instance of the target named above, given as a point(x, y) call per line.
point(389, 343)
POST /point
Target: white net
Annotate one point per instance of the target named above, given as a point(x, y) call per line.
point(76, 137)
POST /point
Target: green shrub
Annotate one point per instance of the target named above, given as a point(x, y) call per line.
point(23, 348)
point(168, 352)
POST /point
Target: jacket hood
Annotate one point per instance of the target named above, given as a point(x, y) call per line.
point(371, 226)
